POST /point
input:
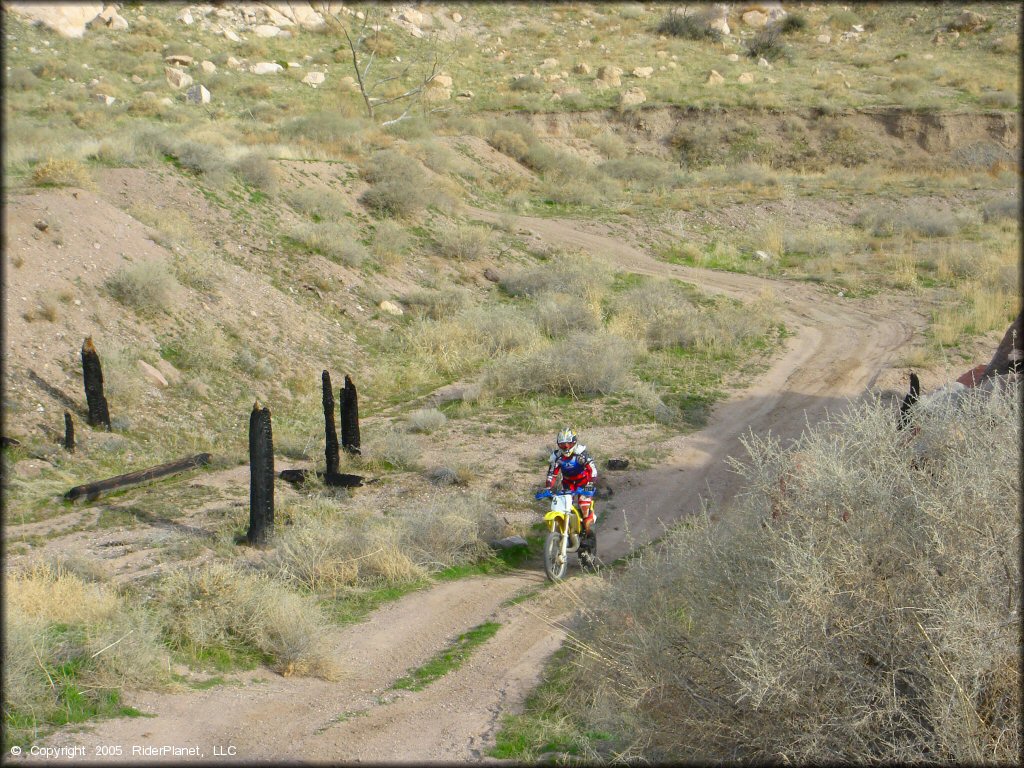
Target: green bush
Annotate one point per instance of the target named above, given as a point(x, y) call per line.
point(256, 171)
point(398, 185)
point(688, 27)
point(766, 44)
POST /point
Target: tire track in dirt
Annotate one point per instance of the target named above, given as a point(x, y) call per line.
point(837, 349)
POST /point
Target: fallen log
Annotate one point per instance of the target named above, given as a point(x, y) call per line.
point(91, 491)
point(334, 479)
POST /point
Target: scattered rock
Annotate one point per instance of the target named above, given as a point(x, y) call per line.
point(714, 78)
point(755, 19)
point(717, 16)
point(231, 35)
point(185, 17)
point(763, 255)
point(208, 67)
point(549, 64)
point(137, 80)
point(457, 17)
point(509, 542)
point(610, 75)
point(29, 468)
point(266, 30)
point(581, 69)
point(617, 463)
point(197, 94)
point(314, 78)
point(643, 72)
point(104, 99)
point(179, 59)
point(41, 225)
point(491, 275)
point(172, 374)
point(266, 68)
point(152, 374)
point(824, 39)
point(66, 19)
point(464, 95)
point(745, 78)
point(177, 78)
point(391, 308)
point(632, 97)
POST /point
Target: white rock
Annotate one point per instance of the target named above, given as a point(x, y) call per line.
point(208, 67)
point(442, 81)
point(745, 78)
point(391, 308)
point(643, 72)
point(763, 255)
point(66, 19)
point(764, 63)
point(266, 68)
point(314, 78)
point(233, 63)
point(755, 19)
point(231, 35)
point(266, 30)
point(105, 99)
point(180, 59)
point(457, 17)
point(824, 39)
point(733, 57)
point(185, 17)
point(412, 16)
point(714, 78)
point(137, 80)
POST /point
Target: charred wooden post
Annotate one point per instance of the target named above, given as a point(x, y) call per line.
point(330, 430)
point(349, 417)
point(92, 373)
point(91, 491)
point(908, 401)
point(69, 433)
point(261, 476)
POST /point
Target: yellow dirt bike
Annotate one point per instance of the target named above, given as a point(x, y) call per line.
point(564, 528)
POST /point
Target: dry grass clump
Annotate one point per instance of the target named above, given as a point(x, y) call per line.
point(257, 171)
point(874, 620)
point(398, 185)
point(68, 643)
point(426, 420)
point(463, 242)
point(581, 365)
point(147, 287)
point(220, 605)
point(318, 204)
point(577, 274)
point(559, 314)
point(689, 26)
point(390, 241)
point(61, 172)
point(1003, 209)
point(331, 240)
point(611, 145)
point(437, 304)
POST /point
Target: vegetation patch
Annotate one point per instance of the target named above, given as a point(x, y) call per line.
point(448, 660)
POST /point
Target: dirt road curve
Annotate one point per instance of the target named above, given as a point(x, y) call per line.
point(837, 350)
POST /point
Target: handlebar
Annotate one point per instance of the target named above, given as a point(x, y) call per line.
point(547, 493)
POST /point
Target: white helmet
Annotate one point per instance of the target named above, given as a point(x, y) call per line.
point(566, 440)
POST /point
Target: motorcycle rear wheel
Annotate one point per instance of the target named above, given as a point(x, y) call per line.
point(553, 569)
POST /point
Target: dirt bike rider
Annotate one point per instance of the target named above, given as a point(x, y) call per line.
point(577, 470)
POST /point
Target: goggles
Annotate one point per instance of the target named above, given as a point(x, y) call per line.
point(566, 446)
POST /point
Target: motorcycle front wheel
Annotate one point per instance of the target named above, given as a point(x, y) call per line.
point(554, 563)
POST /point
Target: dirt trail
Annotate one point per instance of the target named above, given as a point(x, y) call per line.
point(837, 350)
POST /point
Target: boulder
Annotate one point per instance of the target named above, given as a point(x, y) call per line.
point(172, 374)
point(177, 78)
point(967, 21)
point(233, 63)
point(714, 78)
point(441, 81)
point(755, 19)
point(617, 464)
point(464, 95)
point(643, 72)
point(231, 35)
point(314, 78)
point(266, 68)
point(266, 30)
point(632, 97)
point(208, 67)
point(152, 374)
point(197, 94)
point(717, 17)
point(581, 69)
point(610, 75)
point(391, 308)
point(179, 59)
point(745, 78)
point(509, 542)
point(412, 16)
point(66, 19)
point(185, 17)
point(457, 17)
point(549, 64)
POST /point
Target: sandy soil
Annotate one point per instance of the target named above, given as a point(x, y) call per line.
point(840, 348)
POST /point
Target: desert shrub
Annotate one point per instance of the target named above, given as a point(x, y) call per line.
point(318, 204)
point(577, 274)
point(644, 172)
point(437, 304)
point(257, 367)
point(689, 27)
point(21, 79)
point(200, 347)
point(61, 172)
point(999, 99)
point(426, 420)
point(398, 185)
point(393, 448)
point(560, 314)
point(390, 241)
point(792, 22)
point(1001, 210)
point(220, 606)
point(256, 171)
point(843, 19)
point(581, 365)
point(201, 158)
point(529, 83)
point(331, 240)
point(611, 145)
point(872, 621)
point(147, 287)
point(766, 44)
point(463, 242)
point(323, 127)
point(885, 221)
